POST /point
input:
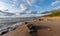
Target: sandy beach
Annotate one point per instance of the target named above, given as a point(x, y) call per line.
point(53, 30)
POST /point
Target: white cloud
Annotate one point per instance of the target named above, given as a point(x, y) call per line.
point(5, 6)
point(30, 15)
point(11, 8)
point(55, 3)
point(30, 2)
point(14, 1)
point(57, 8)
point(22, 8)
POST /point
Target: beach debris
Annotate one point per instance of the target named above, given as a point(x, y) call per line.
point(40, 19)
point(3, 32)
point(26, 22)
point(33, 29)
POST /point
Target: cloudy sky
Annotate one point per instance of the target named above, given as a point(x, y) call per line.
point(22, 6)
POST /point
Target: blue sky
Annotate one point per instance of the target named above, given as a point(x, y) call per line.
point(22, 6)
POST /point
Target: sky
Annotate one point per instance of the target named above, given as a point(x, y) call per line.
point(27, 6)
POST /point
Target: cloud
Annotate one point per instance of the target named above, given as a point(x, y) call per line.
point(57, 8)
point(5, 6)
point(11, 8)
point(14, 1)
point(55, 3)
point(22, 8)
point(30, 2)
point(30, 12)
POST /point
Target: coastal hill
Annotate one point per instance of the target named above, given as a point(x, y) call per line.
point(54, 13)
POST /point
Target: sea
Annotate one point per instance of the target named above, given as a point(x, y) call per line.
point(12, 22)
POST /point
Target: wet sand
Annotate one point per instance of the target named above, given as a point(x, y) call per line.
point(53, 30)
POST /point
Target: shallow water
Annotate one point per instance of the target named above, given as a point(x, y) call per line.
point(5, 21)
